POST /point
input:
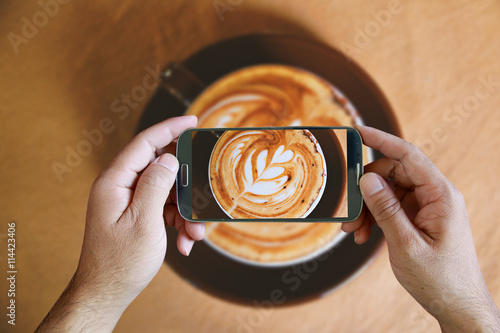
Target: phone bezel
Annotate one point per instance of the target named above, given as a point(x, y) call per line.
point(354, 172)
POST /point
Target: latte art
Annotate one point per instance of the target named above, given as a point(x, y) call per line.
point(272, 95)
point(267, 173)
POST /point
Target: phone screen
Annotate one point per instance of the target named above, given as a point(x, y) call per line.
point(241, 174)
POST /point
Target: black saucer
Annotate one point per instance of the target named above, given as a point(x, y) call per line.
point(220, 276)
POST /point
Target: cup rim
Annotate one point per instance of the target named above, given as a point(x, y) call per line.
point(278, 264)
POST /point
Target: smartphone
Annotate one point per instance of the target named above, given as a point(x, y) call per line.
point(270, 174)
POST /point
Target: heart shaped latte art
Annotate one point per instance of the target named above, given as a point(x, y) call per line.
point(267, 173)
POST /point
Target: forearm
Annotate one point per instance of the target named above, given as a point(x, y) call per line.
point(81, 309)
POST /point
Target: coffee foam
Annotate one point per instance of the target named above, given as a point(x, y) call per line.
point(272, 244)
point(272, 95)
point(267, 173)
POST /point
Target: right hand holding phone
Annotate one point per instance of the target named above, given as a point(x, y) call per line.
point(425, 223)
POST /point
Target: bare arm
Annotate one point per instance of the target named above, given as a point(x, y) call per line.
point(125, 239)
point(425, 223)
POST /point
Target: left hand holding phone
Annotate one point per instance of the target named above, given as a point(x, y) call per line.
point(125, 240)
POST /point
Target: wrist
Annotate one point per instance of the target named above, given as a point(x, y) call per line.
point(474, 316)
point(107, 296)
point(84, 307)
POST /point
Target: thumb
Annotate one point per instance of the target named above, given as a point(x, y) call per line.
point(385, 208)
point(154, 185)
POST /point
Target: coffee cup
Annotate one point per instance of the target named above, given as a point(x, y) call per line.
point(263, 96)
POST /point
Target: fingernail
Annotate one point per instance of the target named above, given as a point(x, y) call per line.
point(188, 247)
point(356, 236)
point(370, 184)
point(169, 161)
point(195, 119)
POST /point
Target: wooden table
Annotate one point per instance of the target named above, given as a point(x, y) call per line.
point(60, 77)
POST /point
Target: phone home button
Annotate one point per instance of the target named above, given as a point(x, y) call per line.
point(184, 175)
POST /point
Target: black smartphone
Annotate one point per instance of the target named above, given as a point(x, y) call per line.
point(270, 174)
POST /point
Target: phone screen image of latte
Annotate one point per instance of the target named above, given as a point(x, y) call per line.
point(269, 174)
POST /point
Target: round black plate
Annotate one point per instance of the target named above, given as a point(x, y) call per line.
point(220, 276)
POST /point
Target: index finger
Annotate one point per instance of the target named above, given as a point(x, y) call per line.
point(418, 168)
point(142, 150)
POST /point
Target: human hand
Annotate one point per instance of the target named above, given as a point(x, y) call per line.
point(125, 240)
point(425, 223)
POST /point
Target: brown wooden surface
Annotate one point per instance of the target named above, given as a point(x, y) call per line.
point(429, 58)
